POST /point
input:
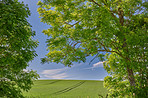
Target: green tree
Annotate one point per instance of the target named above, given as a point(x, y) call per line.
point(16, 49)
point(114, 31)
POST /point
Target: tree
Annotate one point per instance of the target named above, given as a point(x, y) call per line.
point(16, 49)
point(114, 31)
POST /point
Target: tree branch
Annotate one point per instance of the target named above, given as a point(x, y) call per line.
point(121, 17)
point(95, 3)
point(93, 58)
point(76, 44)
point(112, 43)
point(107, 50)
point(72, 24)
point(112, 12)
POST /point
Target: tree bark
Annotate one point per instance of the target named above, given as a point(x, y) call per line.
point(129, 70)
point(131, 76)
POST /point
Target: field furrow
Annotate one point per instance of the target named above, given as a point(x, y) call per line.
point(68, 88)
point(55, 81)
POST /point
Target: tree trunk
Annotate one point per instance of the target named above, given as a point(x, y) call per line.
point(129, 70)
point(131, 76)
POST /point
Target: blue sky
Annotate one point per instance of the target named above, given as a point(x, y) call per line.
point(79, 71)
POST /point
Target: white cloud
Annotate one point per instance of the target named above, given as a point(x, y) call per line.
point(55, 73)
point(57, 76)
point(96, 65)
point(99, 64)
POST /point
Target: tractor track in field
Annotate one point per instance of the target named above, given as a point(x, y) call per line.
point(55, 81)
point(68, 88)
point(51, 82)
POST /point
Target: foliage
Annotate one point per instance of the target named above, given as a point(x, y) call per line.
point(16, 49)
point(111, 30)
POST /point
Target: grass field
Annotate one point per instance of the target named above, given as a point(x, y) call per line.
point(66, 89)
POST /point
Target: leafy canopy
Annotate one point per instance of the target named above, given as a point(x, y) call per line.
point(114, 31)
point(16, 49)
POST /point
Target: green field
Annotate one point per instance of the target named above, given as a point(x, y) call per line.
point(66, 89)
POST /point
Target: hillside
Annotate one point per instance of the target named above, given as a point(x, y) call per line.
point(66, 89)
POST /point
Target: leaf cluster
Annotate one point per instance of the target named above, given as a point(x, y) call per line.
point(16, 49)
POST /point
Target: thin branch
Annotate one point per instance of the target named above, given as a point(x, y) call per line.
point(114, 52)
point(93, 58)
point(96, 3)
point(72, 24)
point(70, 43)
point(76, 44)
point(79, 45)
point(107, 50)
point(105, 2)
point(112, 12)
point(112, 43)
point(103, 45)
point(121, 16)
